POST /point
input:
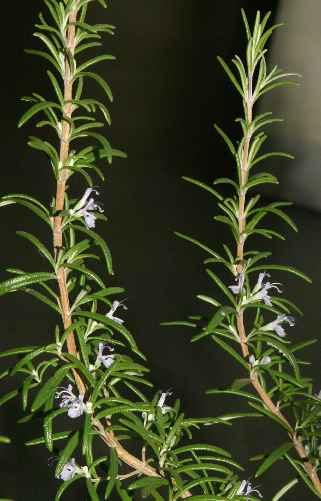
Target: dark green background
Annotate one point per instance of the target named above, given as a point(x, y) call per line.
point(168, 91)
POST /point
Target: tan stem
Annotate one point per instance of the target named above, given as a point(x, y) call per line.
point(107, 436)
point(268, 402)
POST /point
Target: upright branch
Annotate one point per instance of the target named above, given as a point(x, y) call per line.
point(63, 173)
point(65, 127)
point(283, 394)
point(255, 56)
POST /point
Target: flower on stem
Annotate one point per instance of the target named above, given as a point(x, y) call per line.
point(276, 325)
point(113, 309)
point(161, 402)
point(86, 208)
point(75, 405)
point(238, 288)
point(260, 291)
point(246, 488)
point(261, 361)
point(149, 416)
point(71, 469)
point(105, 356)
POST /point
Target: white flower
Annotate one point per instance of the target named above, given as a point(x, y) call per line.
point(105, 356)
point(237, 289)
point(86, 208)
point(260, 291)
point(276, 325)
point(261, 361)
point(318, 395)
point(69, 470)
point(149, 416)
point(161, 402)
point(75, 405)
point(246, 488)
point(114, 307)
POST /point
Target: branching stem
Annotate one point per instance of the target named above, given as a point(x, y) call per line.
point(269, 404)
point(140, 466)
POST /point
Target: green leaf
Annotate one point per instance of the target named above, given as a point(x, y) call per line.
point(36, 108)
point(122, 492)
point(222, 286)
point(47, 427)
point(230, 74)
point(94, 60)
point(148, 482)
point(231, 351)
point(8, 396)
point(278, 345)
point(238, 393)
point(112, 472)
point(64, 486)
point(205, 186)
point(102, 319)
point(39, 245)
point(202, 447)
point(226, 139)
point(198, 244)
point(50, 386)
point(273, 457)
point(66, 453)
point(300, 470)
point(285, 489)
point(14, 284)
point(99, 80)
point(4, 440)
point(21, 350)
point(290, 269)
point(101, 243)
point(29, 202)
point(62, 435)
point(178, 323)
point(92, 490)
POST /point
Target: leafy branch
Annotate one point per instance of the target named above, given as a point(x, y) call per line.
point(254, 317)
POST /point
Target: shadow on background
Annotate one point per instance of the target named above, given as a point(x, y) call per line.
point(168, 91)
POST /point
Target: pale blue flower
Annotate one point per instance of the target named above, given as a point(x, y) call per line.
point(75, 405)
point(86, 208)
point(260, 291)
point(113, 309)
point(246, 488)
point(261, 361)
point(276, 325)
point(69, 470)
point(239, 279)
point(161, 402)
point(106, 359)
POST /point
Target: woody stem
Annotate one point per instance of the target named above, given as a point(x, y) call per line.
point(107, 436)
point(267, 401)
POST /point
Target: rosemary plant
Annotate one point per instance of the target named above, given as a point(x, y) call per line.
point(88, 386)
point(249, 322)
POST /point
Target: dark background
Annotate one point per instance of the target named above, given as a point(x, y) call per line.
point(168, 91)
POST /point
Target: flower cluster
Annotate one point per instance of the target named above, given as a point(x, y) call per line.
point(260, 291)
